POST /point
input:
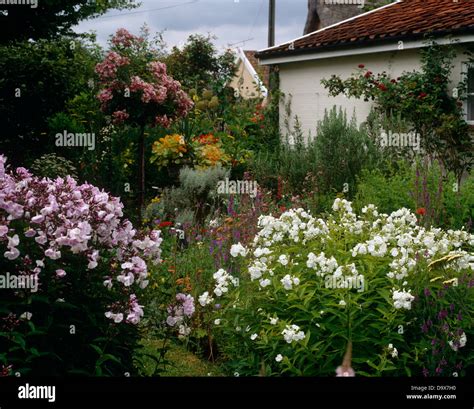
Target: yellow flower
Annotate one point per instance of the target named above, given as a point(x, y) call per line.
point(168, 149)
point(211, 155)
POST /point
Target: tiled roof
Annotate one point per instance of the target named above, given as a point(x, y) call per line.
point(402, 20)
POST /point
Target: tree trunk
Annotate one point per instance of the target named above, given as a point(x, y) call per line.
point(312, 21)
point(141, 173)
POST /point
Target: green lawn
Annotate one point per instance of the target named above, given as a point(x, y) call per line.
point(180, 362)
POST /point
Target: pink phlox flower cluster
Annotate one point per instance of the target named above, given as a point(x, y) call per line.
point(135, 312)
point(60, 216)
point(183, 308)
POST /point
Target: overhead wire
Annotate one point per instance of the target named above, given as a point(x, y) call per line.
point(149, 10)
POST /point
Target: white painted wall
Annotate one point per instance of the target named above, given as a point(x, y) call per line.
point(244, 82)
point(309, 98)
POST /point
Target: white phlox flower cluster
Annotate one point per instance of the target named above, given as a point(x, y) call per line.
point(205, 299)
point(292, 333)
point(402, 299)
point(223, 279)
point(322, 264)
point(296, 225)
point(289, 281)
point(392, 351)
point(238, 250)
point(394, 237)
point(459, 342)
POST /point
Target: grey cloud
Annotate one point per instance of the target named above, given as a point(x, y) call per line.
point(229, 20)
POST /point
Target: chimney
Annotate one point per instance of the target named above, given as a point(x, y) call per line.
point(323, 13)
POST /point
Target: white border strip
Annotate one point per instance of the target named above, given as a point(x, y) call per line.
point(407, 45)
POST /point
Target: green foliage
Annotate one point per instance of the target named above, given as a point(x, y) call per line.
point(53, 166)
point(180, 362)
point(373, 4)
point(342, 151)
point(197, 65)
point(419, 186)
point(389, 190)
point(70, 335)
point(334, 158)
point(38, 79)
point(199, 182)
point(458, 202)
point(52, 18)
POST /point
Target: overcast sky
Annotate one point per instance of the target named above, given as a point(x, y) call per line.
point(232, 21)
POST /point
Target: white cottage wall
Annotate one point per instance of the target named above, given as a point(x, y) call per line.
point(302, 80)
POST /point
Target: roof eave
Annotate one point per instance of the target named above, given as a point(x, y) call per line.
point(363, 42)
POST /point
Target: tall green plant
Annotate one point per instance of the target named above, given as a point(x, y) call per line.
point(342, 151)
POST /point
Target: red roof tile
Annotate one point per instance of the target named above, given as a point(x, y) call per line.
point(406, 19)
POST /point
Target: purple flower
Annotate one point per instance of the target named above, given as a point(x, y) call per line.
point(171, 321)
point(459, 317)
point(217, 306)
point(187, 302)
point(439, 370)
point(427, 292)
point(136, 311)
point(425, 372)
point(442, 315)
